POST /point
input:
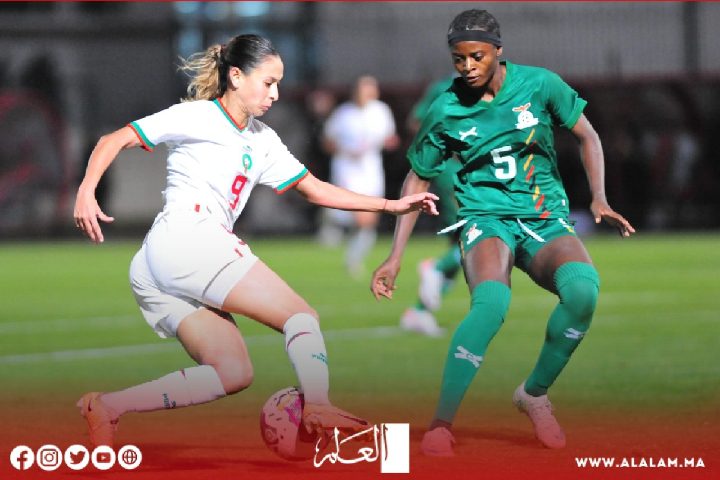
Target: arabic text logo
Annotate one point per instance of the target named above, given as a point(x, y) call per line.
point(390, 442)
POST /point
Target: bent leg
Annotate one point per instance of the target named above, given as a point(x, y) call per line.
point(266, 298)
point(224, 368)
point(263, 296)
point(214, 342)
point(576, 282)
point(212, 338)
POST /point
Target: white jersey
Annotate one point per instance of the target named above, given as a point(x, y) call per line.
point(215, 163)
point(359, 134)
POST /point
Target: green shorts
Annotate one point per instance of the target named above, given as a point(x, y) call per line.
point(524, 237)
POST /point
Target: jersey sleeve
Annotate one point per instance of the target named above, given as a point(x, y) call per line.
point(427, 153)
point(564, 103)
point(164, 126)
point(284, 171)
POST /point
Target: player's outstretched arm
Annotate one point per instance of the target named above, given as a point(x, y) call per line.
point(594, 163)
point(383, 280)
point(328, 195)
point(87, 212)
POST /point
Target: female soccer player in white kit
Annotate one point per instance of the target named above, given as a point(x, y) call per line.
point(356, 133)
point(192, 272)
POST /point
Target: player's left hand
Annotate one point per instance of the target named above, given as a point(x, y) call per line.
point(602, 211)
point(424, 201)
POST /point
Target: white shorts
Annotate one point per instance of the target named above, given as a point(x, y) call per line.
point(188, 261)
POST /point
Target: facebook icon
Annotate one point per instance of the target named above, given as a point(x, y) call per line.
point(22, 457)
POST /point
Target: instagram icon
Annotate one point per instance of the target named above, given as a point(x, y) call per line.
point(48, 458)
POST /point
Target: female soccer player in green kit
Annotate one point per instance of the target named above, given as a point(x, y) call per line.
point(497, 118)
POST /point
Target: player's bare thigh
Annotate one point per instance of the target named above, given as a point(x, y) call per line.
point(488, 260)
point(552, 256)
point(265, 297)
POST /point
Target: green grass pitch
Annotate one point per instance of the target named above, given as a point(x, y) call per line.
point(69, 324)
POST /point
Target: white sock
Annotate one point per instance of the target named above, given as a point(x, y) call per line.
point(305, 346)
point(183, 388)
point(360, 245)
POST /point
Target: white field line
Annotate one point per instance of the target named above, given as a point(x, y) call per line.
point(67, 324)
point(172, 345)
point(129, 321)
point(540, 298)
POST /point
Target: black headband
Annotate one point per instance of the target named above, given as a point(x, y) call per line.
point(474, 36)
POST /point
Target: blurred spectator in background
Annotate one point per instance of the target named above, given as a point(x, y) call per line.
point(673, 154)
point(319, 104)
point(34, 180)
point(355, 134)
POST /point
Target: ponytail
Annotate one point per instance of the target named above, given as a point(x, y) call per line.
point(207, 71)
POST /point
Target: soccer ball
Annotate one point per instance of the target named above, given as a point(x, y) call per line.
point(281, 426)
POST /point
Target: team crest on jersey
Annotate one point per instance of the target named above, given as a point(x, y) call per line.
point(473, 233)
point(247, 162)
point(525, 117)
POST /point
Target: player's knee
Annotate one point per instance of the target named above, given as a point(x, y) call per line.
point(308, 320)
point(234, 375)
point(491, 297)
point(578, 285)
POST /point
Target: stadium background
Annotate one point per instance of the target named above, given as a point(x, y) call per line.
point(77, 70)
point(644, 384)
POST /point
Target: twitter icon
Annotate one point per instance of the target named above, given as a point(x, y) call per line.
point(77, 457)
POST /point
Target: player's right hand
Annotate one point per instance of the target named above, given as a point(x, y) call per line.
point(423, 201)
point(87, 212)
point(383, 279)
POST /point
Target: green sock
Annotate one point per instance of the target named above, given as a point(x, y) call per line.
point(449, 264)
point(578, 286)
point(489, 304)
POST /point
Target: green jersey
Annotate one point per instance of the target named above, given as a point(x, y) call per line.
point(506, 146)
